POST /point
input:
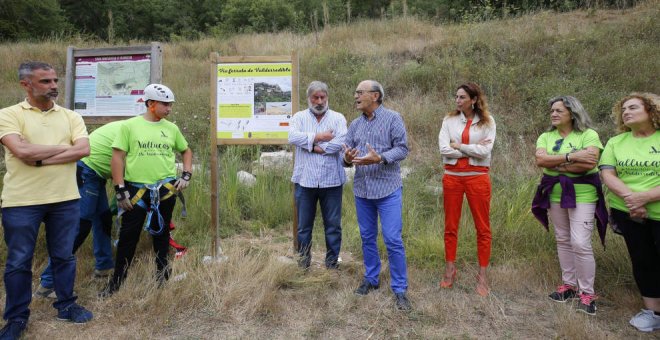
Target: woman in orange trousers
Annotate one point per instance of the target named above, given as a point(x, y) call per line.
point(466, 141)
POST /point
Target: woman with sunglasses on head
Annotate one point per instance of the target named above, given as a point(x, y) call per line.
point(630, 168)
point(570, 192)
point(466, 141)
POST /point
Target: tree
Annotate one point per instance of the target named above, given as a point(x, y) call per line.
point(258, 16)
point(89, 16)
point(31, 19)
point(368, 9)
point(335, 9)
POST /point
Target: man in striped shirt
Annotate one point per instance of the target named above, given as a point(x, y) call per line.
point(376, 143)
point(318, 174)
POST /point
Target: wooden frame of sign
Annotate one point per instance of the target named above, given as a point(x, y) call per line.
point(152, 53)
point(264, 108)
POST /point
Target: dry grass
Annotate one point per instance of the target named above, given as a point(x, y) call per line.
point(254, 294)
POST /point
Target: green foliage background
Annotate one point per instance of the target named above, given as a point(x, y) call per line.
point(164, 20)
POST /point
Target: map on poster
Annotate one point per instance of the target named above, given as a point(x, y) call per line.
point(111, 85)
point(254, 100)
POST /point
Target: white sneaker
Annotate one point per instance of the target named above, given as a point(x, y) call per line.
point(646, 321)
point(47, 293)
point(102, 274)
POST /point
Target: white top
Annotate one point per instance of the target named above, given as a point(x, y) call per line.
point(313, 170)
point(452, 129)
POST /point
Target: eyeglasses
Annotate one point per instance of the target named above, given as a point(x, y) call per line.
point(361, 92)
point(558, 143)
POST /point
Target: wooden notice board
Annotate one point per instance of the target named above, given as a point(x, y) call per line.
point(107, 84)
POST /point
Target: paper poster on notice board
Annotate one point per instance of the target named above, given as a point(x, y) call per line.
point(254, 100)
point(111, 85)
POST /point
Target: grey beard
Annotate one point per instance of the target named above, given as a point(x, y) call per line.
point(315, 110)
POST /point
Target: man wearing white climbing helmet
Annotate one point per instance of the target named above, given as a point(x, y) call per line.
point(158, 92)
point(146, 183)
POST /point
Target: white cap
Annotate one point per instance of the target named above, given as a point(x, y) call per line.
point(159, 93)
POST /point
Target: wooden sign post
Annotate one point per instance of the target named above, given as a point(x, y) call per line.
point(252, 102)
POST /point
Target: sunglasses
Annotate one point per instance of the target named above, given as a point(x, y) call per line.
point(557, 146)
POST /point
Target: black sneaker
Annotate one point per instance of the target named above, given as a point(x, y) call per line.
point(75, 313)
point(107, 291)
point(401, 302)
point(564, 293)
point(587, 303)
point(332, 264)
point(304, 262)
point(366, 287)
point(12, 330)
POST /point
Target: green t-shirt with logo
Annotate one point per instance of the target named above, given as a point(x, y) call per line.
point(100, 148)
point(637, 164)
point(555, 144)
point(150, 149)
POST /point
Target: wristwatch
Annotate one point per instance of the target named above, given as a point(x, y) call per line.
point(120, 192)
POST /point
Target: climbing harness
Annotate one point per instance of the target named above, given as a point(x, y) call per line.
point(154, 204)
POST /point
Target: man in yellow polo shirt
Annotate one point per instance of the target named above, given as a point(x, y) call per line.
point(42, 143)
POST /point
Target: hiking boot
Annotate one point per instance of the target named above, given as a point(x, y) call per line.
point(401, 302)
point(12, 330)
point(366, 287)
point(46, 293)
point(564, 293)
point(587, 303)
point(102, 273)
point(75, 313)
point(646, 321)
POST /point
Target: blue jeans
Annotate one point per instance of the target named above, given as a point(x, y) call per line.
point(330, 201)
point(93, 205)
point(389, 210)
point(21, 227)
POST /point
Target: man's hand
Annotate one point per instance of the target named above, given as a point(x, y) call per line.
point(349, 154)
point(318, 149)
point(454, 145)
point(325, 136)
point(183, 181)
point(372, 157)
point(22, 149)
point(123, 198)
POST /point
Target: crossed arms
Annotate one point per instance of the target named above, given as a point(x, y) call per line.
point(48, 154)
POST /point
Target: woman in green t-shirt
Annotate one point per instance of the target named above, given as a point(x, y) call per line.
point(568, 153)
point(630, 168)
